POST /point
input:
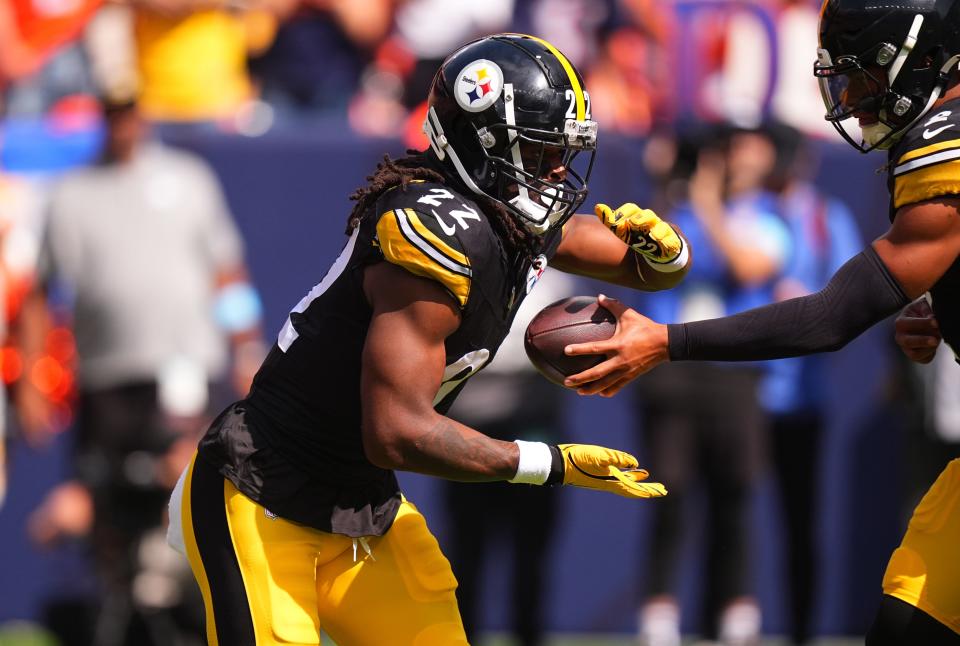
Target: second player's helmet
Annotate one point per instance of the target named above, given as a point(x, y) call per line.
point(503, 112)
point(889, 59)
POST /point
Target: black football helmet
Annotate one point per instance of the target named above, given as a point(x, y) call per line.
point(504, 112)
point(887, 60)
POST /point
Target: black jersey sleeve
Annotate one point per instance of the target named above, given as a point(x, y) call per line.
point(927, 159)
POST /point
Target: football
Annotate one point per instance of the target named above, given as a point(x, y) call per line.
point(577, 319)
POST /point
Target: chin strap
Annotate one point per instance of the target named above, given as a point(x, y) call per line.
point(905, 50)
point(944, 78)
point(441, 147)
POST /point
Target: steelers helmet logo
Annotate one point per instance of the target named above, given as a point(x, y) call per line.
point(479, 85)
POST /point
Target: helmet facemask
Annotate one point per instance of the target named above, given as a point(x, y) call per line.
point(870, 86)
point(537, 168)
point(540, 176)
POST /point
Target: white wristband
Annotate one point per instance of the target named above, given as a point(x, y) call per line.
point(534, 464)
point(671, 266)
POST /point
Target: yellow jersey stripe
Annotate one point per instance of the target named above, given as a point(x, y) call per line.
point(402, 245)
point(926, 183)
point(434, 241)
point(926, 150)
point(571, 73)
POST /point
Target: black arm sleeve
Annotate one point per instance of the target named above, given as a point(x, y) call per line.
point(861, 293)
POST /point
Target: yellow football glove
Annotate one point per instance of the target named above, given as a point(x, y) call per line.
point(596, 467)
point(642, 230)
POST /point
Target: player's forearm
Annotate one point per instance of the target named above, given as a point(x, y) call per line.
point(445, 449)
point(629, 270)
point(456, 452)
point(860, 294)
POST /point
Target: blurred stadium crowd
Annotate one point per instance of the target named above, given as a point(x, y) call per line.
point(718, 95)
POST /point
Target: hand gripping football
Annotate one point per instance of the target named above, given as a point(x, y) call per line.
point(577, 319)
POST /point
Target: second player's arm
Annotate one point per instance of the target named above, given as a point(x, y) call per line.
point(403, 363)
point(908, 260)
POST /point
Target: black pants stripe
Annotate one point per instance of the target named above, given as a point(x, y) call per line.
point(233, 623)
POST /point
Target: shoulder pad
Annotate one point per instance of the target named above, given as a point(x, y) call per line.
point(927, 159)
point(420, 245)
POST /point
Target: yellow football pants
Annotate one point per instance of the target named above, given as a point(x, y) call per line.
point(925, 570)
point(269, 581)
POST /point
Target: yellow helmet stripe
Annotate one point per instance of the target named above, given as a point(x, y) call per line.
point(574, 81)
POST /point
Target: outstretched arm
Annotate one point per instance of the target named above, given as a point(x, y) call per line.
point(922, 244)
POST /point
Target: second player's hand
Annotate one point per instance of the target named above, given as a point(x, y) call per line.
point(637, 346)
point(917, 332)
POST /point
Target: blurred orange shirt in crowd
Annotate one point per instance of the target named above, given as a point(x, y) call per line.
point(44, 25)
point(31, 30)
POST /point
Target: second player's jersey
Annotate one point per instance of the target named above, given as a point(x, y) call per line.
point(304, 409)
point(925, 165)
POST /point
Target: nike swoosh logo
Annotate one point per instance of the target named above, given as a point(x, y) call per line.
point(587, 473)
point(449, 230)
point(929, 134)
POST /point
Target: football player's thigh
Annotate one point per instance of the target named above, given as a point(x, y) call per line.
point(402, 595)
point(256, 571)
point(925, 570)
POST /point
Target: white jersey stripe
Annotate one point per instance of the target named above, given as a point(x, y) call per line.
point(423, 245)
point(288, 334)
point(929, 160)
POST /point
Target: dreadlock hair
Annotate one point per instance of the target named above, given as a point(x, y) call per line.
point(416, 166)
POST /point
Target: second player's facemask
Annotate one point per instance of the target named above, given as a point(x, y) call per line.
point(885, 64)
point(852, 90)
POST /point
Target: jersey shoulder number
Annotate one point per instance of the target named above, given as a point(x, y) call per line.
point(928, 158)
point(424, 230)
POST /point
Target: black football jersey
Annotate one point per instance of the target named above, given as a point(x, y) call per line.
point(924, 165)
point(294, 443)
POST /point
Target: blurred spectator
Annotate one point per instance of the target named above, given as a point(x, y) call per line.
point(431, 29)
point(55, 87)
point(782, 35)
point(795, 392)
point(578, 28)
point(192, 55)
point(702, 422)
point(631, 78)
point(321, 48)
point(50, 117)
point(391, 98)
point(31, 31)
point(111, 51)
point(145, 248)
point(20, 215)
point(508, 399)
